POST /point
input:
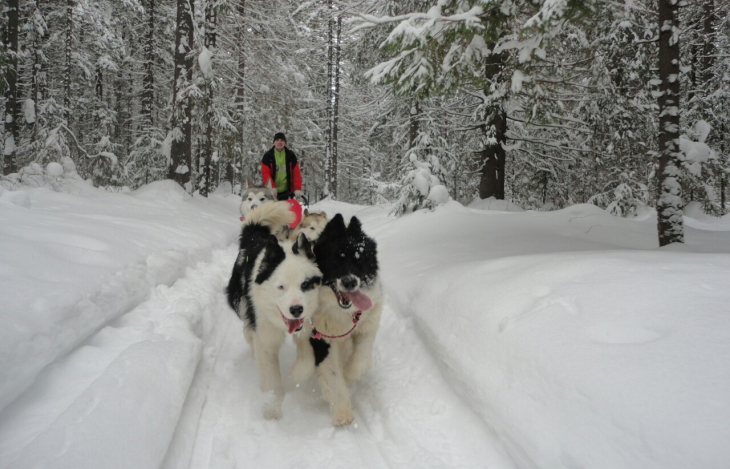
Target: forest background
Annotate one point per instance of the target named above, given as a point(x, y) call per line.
point(546, 103)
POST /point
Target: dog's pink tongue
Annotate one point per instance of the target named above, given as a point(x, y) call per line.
point(294, 324)
point(361, 301)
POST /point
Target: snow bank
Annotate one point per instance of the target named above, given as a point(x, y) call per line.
point(73, 262)
point(492, 203)
point(117, 401)
point(576, 351)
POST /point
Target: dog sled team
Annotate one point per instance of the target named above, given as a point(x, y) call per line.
point(315, 279)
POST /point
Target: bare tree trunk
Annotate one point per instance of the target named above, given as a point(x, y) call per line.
point(669, 193)
point(493, 155)
point(35, 85)
point(240, 103)
point(99, 83)
point(723, 176)
point(129, 127)
point(181, 149)
point(11, 93)
point(413, 114)
point(328, 176)
point(210, 39)
point(708, 61)
point(336, 107)
point(70, 4)
point(148, 81)
point(494, 129)
point(692, 73)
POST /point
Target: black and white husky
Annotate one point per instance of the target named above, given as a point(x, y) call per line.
point(339, 342)
point(274, 289)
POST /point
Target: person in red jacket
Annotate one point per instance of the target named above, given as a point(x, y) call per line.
point(280, 166)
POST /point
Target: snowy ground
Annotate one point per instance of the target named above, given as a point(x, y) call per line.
point(509, 339)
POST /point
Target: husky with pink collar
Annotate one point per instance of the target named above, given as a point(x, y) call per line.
point(338, 342)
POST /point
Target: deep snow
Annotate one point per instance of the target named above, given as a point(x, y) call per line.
point(509, 339)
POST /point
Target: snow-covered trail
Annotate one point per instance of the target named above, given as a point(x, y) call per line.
point(174, 380)
point(117, 399)
point(404, 413)
point(530, 340)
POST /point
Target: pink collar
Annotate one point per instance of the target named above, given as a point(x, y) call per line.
point(318, 335)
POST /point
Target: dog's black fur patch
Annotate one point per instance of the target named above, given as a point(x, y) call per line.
point(273, 256)
point(311, 283)
point(321, 350)
point(341, 251)
point(303, 245)
point(254, 239)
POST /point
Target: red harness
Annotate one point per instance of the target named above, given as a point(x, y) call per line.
point(318, 335)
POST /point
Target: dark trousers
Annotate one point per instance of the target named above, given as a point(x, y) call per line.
point(283, 195)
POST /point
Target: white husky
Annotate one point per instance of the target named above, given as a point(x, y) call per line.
point(274, 288)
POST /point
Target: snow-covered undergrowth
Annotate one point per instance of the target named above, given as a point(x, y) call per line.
point(509, 339)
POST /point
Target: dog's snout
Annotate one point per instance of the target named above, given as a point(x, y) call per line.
point(296, 310)
point(349, 282)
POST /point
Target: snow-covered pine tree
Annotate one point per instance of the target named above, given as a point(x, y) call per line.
point(702, 51)
point(471, 45)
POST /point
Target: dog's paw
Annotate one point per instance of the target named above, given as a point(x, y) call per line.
point(342, 417)
point(272, 411)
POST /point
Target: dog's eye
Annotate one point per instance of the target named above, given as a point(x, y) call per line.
point(311, 228)
point(280, 287)
point(311, 283)
point(261, 199)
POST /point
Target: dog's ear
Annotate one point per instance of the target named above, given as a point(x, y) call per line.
point(249, 183)
point(306, 212)
point(296, 247)
point(273, 256)
point(355, 226)
point(323, 214)
point(269, 185)
point(334, 226)
point(304, 246)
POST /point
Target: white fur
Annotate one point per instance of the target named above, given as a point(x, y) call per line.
point(272, 299)
point(349, 357)
point(255, 196)
point(311, 225)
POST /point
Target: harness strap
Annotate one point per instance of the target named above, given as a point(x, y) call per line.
point(318, 335)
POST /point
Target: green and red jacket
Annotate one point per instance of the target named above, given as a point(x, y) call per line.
point(268, 170)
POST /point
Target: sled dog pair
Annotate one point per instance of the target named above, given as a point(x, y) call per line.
point(321, 288)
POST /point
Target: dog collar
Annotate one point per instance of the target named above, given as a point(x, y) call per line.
point(318, 335)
